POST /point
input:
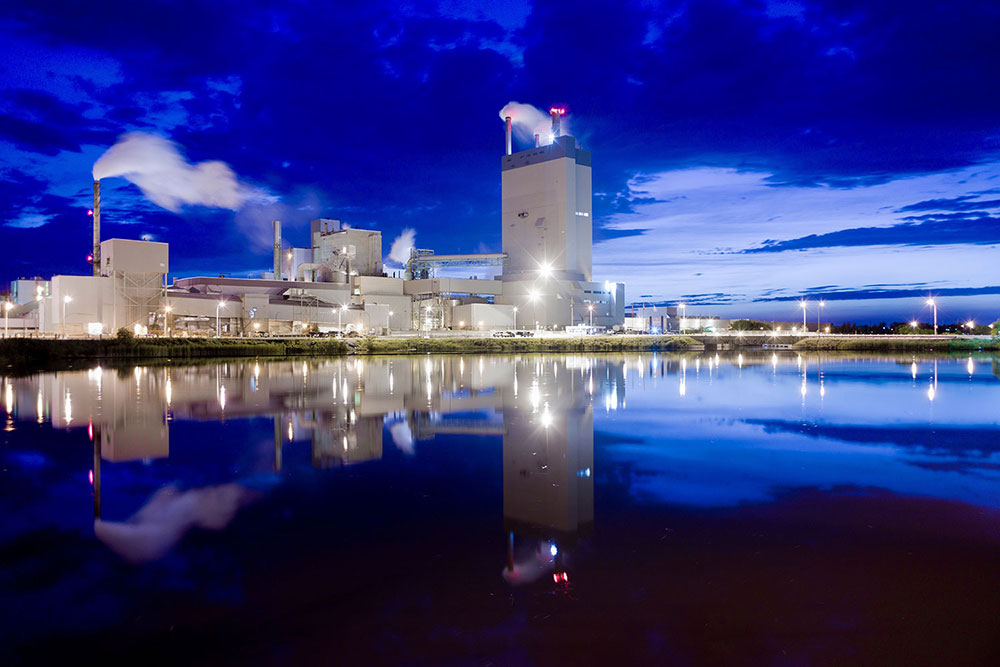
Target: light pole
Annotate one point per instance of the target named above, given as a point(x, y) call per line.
point(590, 308)
point(166, 318)
point(66, 299)
point(7, 305)
point(804, 305)
point(683, 308)
point(820, 306)
point(933, 304)
point(218, 325)
point(515, 318)
point(340, 321)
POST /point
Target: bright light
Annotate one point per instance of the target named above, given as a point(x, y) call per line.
point(552, 137)
point(67, 299)
point(533, 295)
point(168, 309)
point(913, 324)
point(515, 309)
point(802, 304)
point(461, 323)
point(970, 324)
point(256, 325)
point(930, 302)
point(7, 305)
point(590, 308)
point(553, 550)
point(222, 304)
point(343, 308)
point(545, 270)
point(390, 313)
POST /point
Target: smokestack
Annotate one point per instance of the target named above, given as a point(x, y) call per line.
point(556, 116)
point(537, 141)
point(507, 121)
point(96, 256)
point(277, 249)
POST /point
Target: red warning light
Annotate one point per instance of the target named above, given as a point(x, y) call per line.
point(558, 110)
point(90, 259)
point(90, 211)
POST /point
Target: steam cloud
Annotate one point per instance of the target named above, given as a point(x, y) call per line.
point(399, 253)
point(527, 121)
point(167, 179)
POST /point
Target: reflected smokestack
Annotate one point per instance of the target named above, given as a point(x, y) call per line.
point(277, 250)
point(507, 122)
point(96, 256)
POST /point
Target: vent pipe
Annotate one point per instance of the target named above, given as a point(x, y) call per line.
point(277, 249)
point(507, 122)
point(96, 254)
point(537, 141)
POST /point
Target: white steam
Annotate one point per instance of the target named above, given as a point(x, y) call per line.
point(156, 165)
point(527, 121)
point(399, 253)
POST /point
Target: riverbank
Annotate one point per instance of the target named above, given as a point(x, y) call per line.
point(897, 344)
point(44, 352)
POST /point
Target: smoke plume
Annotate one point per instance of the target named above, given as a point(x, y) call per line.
point(527, 121)
point(399, 253)
point(156, 165)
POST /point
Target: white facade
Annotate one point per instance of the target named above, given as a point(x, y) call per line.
point(547, 212)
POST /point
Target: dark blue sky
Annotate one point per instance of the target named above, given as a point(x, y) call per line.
point(745, 153)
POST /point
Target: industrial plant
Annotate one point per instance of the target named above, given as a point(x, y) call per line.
point(336, 281)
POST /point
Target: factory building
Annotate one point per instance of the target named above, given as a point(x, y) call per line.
point(337, 280)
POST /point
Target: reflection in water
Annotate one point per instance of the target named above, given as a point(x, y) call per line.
point(542, 407)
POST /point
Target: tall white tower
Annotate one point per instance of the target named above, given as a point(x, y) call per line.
point(547, 210)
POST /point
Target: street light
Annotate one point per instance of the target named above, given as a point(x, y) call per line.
point(7, 305)
point(166, 318)
point(970, 325)
point(591, 309)
point(218, 326)
point(821, 304)
point(340, 311)
point(933, 304)
point(515, 318)
point(545, 270)
point(914, 324)
point(804, 305)
point(66, 299)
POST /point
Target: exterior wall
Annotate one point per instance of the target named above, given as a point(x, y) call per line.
point(546, 211)
point(27, 290)
point(362, 246)
point(480, 316)
point(555, 302)
point(366, 285)
point(134, 256)
point(91, 300)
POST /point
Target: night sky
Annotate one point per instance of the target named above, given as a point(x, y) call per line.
point(746, 154)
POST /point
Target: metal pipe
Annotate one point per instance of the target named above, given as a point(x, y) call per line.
point(96, 255)
point(277, 249)
point(537, 141)
point(509, 147)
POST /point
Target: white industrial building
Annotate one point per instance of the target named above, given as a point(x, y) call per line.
point(338, 282)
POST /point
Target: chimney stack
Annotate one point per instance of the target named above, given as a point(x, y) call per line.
point(277, 250)
point(96, 256)
point(507, 122)
point(556, 116)
point(537, 141)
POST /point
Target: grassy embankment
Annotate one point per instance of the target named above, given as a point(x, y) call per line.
point(897, 344)
point(45, 352)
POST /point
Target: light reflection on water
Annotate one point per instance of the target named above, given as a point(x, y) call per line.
point(695, 431)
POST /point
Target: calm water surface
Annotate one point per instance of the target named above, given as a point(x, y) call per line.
point(758, 508)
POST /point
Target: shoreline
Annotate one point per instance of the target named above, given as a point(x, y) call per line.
point(896, 344)
point(43, 352)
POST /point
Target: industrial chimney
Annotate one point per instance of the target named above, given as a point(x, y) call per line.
point(538, 141)
point(277, 249)
point(556, 113)
point(96, 256)
point(507, 122)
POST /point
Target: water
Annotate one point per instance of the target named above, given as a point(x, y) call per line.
point(540, 509)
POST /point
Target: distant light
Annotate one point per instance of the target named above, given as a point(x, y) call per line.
point(533, 295)
point(553, 550)
point(90, 211)
point(913, 324)
point(545, 270)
